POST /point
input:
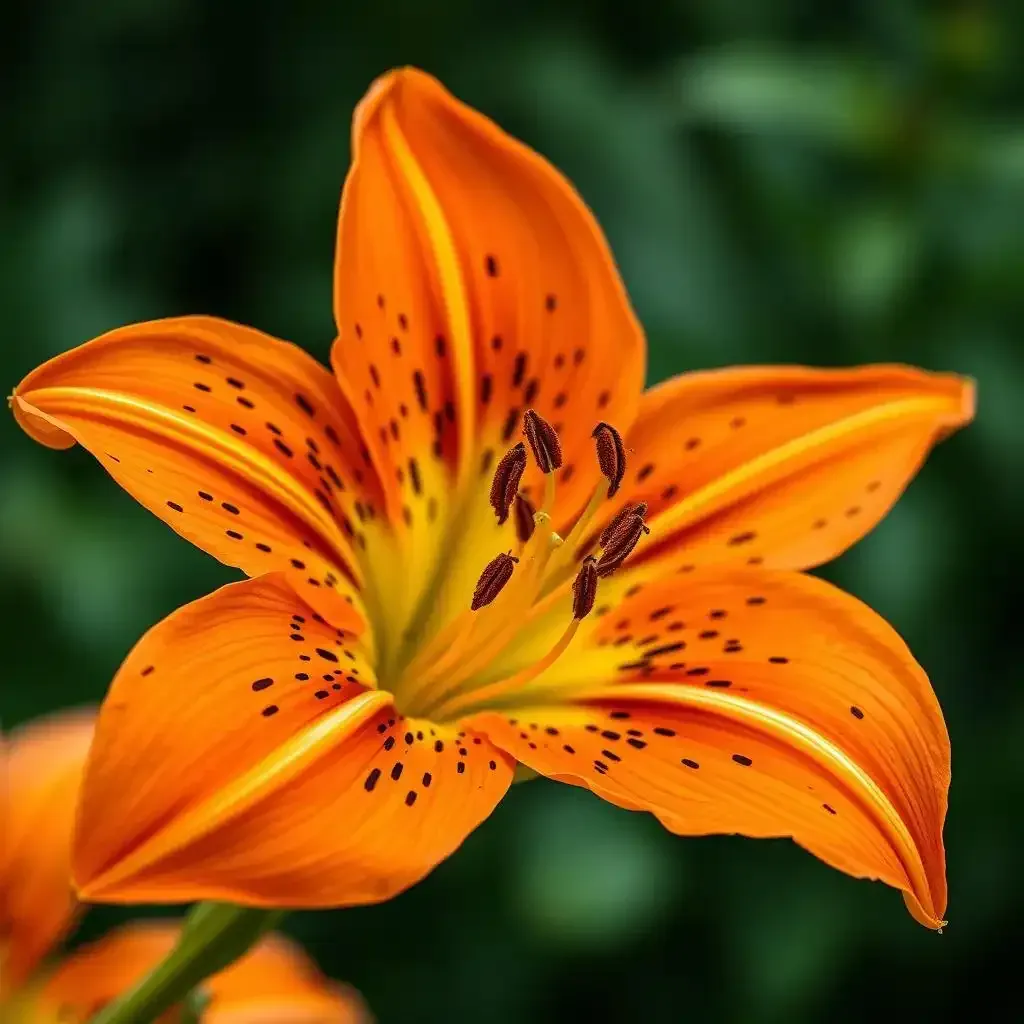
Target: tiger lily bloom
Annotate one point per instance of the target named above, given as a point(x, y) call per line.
point(41, 767)
point(479, 543)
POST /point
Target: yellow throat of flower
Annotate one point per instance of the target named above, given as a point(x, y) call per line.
point(451, 673)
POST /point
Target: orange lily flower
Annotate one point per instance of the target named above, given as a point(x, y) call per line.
point(41, 767)
point(328, 730)
point(274, 983)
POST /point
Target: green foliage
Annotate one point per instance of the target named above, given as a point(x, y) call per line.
point(780, 182)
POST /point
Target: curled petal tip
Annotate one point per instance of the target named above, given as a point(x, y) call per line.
point(929, 919)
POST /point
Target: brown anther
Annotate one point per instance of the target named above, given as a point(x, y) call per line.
point(506, 480)
point(492, 580)
point(547, 449)
point(584, 588)
point(620, 544)
point(639, 509)
point(611, 455)
point(522, 513)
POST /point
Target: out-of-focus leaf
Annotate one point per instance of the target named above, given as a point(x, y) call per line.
point(817, 98)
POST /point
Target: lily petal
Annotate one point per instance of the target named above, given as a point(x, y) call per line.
point(763, 703)
point(471, 283)
point(40, 770)
point(481, 260)
point(784, 467)
point(233, 760)
point(240, 442)
point(274, 982)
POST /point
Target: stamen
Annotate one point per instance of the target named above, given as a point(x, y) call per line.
point(507, 476)
point(611, 455)
point(543, 441)
point(492, 580)
point(620, 544)
point(584, 588)
point(639, 509)
point(523, 512)
point(460, 667)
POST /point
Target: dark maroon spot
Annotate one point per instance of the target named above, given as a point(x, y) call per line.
point(518, 369)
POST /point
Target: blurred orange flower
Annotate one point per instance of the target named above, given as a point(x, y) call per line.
point(40, 767)
point(329, 730)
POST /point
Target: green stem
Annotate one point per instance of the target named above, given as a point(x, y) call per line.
point(214, 935)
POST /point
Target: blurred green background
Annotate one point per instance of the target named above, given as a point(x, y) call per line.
point(780, 182)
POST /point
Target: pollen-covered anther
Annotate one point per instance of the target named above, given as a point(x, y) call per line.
point(584, 588)
point(523, 513)
point(611, 455)
point(496, 574)
point(620, 544)
point(507, 476)
point(543, 441)
point(620, 517)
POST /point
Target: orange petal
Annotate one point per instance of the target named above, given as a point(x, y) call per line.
point(235, 738)
point(782, 466)
point(277, 982)
point(274, 982)
point(764, 703)
point(40, 770)
point(240, 442)
point(471, 283)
